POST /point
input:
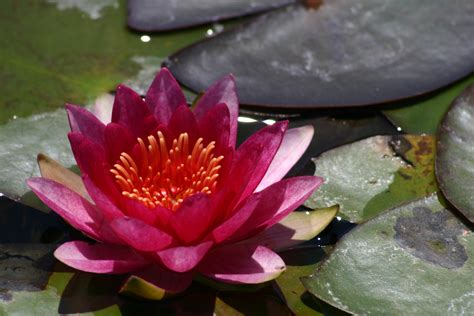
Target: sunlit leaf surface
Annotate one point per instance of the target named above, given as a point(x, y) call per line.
point(374, 174)
point(343, 53)
point(413, 260)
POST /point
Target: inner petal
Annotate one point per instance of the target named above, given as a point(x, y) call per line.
point(158, 175)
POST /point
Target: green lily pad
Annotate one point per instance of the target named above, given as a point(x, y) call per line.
point(369, 176)
point(22, 139)
point(417, 259)
point(424, 114)
point(50, 55)
point(455, 157)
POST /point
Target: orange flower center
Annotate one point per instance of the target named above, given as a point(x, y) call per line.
point(165, 177)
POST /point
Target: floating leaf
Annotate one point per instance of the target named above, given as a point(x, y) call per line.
point(50, 56)
point(413, 260)
point(423, 115)
point(162, 15)
point(374, 174)
point(455, 157)
point(22, 139)
point(345, 53)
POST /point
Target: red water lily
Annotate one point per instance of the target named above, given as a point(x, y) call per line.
point(165, 192)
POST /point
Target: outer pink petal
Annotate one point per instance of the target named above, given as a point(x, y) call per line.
point(84, 122)
point(99, 258)
point(215, 126)
point(192, 219)
point(77, 211)
point(183, 121)
point(164, 96)
point(294, 144)
point(167, 280)
point(132, 112)
point(184, 259)
point(222, 91)
point(140, 235)
point(276, 202)
point(242, 264)
point(267, 139)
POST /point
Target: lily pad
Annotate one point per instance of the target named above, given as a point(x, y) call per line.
point(423, 115)
point(369, 176)
point(455, 157)
point(162, 15)
point(22, 139)
point(49, 55)
point(344, 53)
point(417, 259)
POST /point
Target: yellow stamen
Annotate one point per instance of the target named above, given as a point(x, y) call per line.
point(161, 176)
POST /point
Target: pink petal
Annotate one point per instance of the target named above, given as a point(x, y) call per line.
point(215, 126)
point(140, 235)
point(222, 91)
point(78, 212)
point(103, 203)
point(294, 144)
point(267, 139)
point(91, 159)
point(183, 121)
point(164, 96)
point(232, 185)
point(231, 225)
point(99, 258)
point(192, 219)
point(242, 264)
point(133, 113)
point(167, 280)
point(117, 140)
point(276, 202)
point(138, 210)
point(84, 122)
point(184, 259)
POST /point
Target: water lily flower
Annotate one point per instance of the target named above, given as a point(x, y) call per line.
point(165, 192)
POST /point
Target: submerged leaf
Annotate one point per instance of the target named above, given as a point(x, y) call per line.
point(412, 260)
point(369, 176)
point(455, 156)
point(49, 56)
point(345, 53)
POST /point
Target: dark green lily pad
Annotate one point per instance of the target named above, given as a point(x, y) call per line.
point(423, 115)
point(455, 157)
point(345, 53)
point(153, 15)
point(369, 176)
point(50, 55)
point(417, 259)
